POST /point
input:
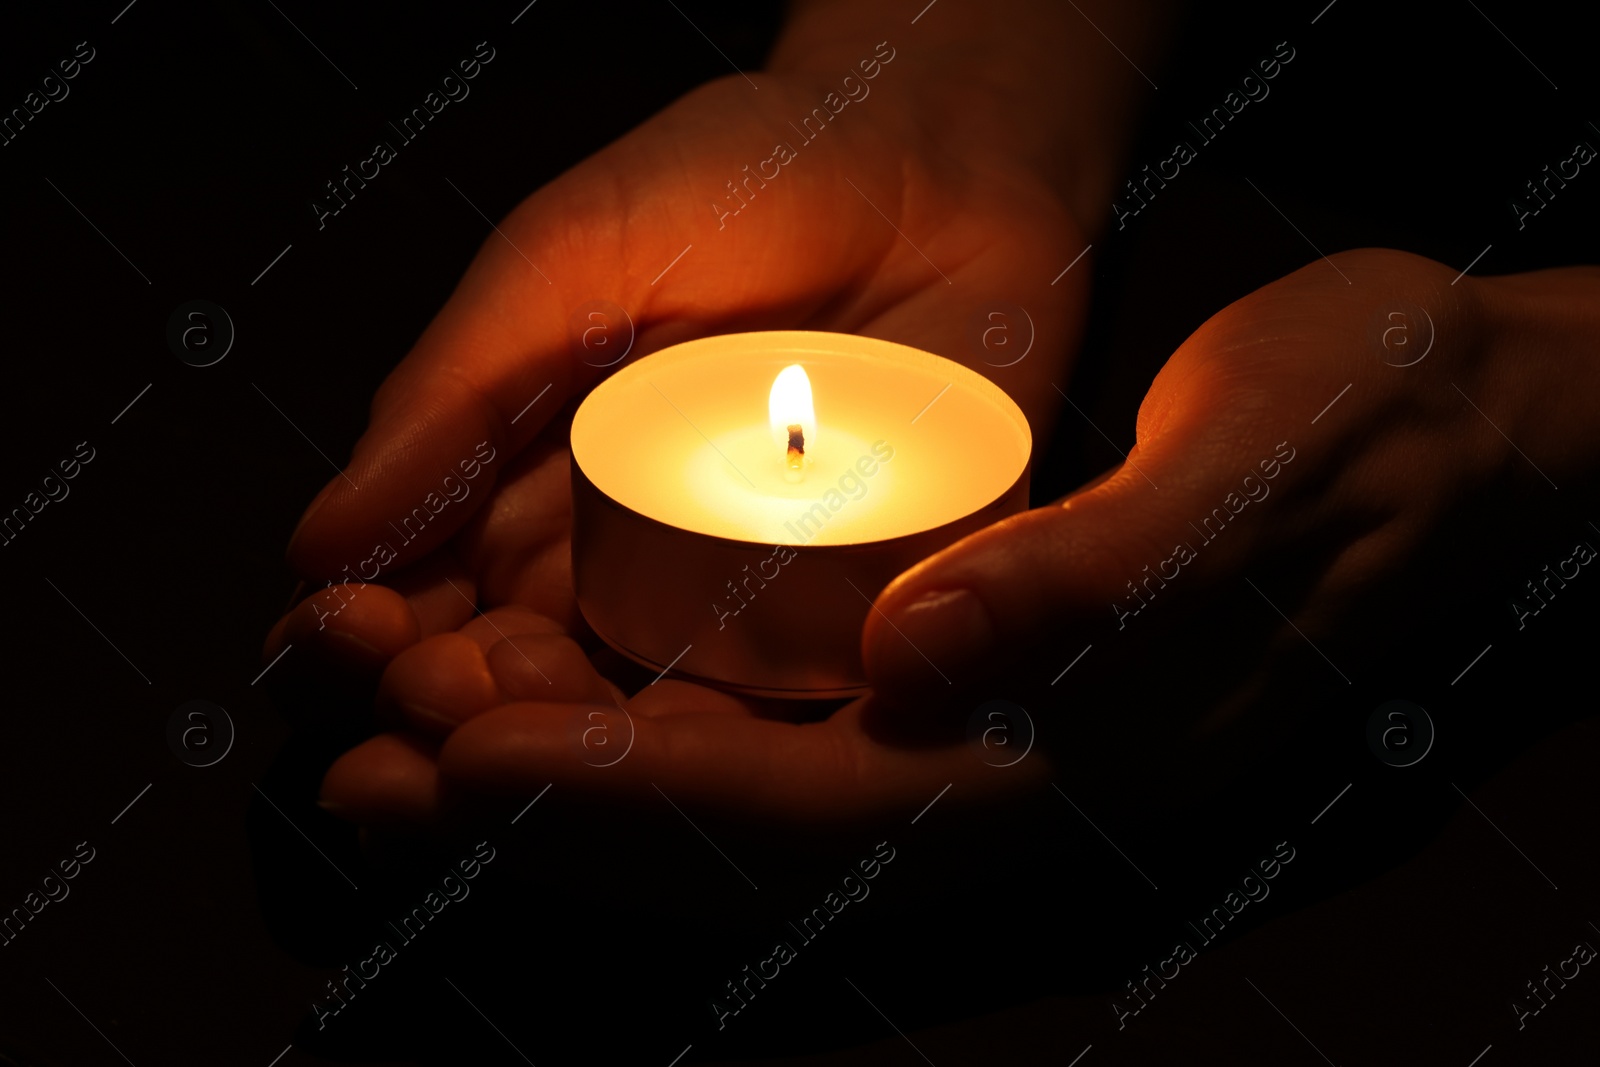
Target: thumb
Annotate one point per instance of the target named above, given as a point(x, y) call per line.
point(1007, 608)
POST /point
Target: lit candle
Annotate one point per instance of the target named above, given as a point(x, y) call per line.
point(744, 551)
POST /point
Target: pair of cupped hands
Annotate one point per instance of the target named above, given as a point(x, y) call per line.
point(1399, 391)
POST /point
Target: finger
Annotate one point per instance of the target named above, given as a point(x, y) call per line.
point(354, 630)
point(335, 644)
point(545, 667)
point(519, 545)
point(441, 592)
point(739, 767)
point(437, 684)
point(358, 625)
point(390, 779)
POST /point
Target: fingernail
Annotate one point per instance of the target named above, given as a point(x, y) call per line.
point(935, 640)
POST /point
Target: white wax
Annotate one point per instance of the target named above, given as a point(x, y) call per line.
point(683, 437)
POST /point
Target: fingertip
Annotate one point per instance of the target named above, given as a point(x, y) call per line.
point(437, 684)
point(390, 779)
point(322, 662)
point(330, 541)
point(302, 551)
point(359, 628)
point(922, 647)
point(545, 667)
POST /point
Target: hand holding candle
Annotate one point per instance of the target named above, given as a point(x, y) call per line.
point(1027, 604)
point(889, 226)
point(976, 201)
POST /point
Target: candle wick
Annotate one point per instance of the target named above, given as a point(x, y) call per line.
point(794, 462)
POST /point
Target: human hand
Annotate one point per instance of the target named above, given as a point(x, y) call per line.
point(510, 705)
point(810, 250)
point(1292, 457)
point(964, 183)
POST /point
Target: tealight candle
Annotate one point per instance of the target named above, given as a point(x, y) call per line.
point(740, 500)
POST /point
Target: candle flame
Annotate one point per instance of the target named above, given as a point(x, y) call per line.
point(793, 419)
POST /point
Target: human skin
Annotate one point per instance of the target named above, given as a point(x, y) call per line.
point(1402, 491)
point(981, 165)
point(995, 188)
point(1401, 484)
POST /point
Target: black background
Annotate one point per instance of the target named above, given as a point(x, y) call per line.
point(205, 926)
